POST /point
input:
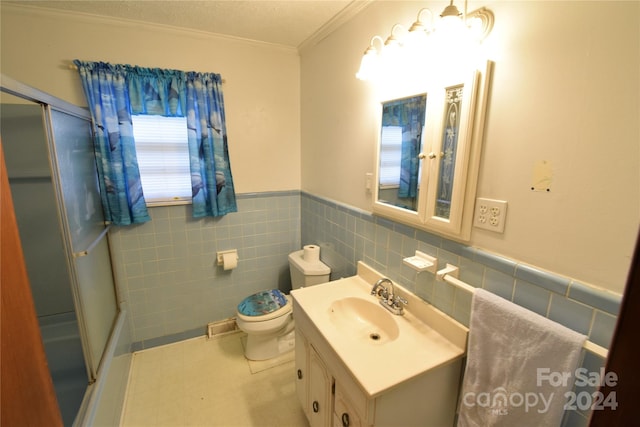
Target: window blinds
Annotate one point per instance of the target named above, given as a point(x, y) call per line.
point(163, 158)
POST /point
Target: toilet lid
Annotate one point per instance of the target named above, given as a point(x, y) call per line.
point(262, 303)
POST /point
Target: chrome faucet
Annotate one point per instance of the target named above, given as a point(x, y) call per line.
point(385, 291)
point(388, 299)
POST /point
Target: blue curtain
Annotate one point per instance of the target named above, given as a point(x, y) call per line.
point(119, 179)
point(211, 181)
point(198, 96)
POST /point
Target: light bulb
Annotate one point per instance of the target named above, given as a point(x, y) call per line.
point(368, 65)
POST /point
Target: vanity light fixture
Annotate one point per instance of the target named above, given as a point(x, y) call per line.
point(419, 26)
point(419, 32)
point(478, 23)
point(451, 29)
point(451, 11)
point(451, 20)
point(373, 60)
point(369, 64)
point(392, 52)
point(392, 41)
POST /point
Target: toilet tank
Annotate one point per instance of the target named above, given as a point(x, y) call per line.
point(305, 273)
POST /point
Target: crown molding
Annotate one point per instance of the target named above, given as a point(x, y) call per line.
point(345, 15)
point(135, 24)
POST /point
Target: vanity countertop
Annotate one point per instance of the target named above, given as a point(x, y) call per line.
point(422, 339)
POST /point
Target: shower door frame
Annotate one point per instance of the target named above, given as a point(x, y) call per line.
point(49, 103)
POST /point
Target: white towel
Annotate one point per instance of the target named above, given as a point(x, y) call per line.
point(516, 362)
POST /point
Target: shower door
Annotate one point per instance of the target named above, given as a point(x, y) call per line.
point(48, 147)
point(36, 207)
point(83, 223)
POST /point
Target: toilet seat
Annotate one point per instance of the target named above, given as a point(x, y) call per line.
point(263, 306)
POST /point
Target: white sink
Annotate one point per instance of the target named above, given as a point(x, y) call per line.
point(363, 320)
point(357, 327)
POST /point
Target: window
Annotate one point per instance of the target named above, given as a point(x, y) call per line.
point(390, 156)
point(163, 158)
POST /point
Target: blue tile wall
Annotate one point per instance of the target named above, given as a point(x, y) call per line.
point(167, 275)
point(166, 268)
point(383, 244)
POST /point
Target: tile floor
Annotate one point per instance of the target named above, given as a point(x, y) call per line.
point(208, 382)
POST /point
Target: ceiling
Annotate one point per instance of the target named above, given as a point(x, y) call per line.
point(290, 23)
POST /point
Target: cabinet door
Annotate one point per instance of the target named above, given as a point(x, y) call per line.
point(302, 371)
point(320, 385)
point(345, 415)
point(451, 145)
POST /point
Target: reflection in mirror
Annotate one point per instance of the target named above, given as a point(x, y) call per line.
point(402, 129)
point(450, 131)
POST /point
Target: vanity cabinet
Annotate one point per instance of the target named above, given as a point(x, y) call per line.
point(429, 151)
point(325, 403)
point(332, 397)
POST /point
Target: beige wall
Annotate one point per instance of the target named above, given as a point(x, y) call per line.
point(261, 90)
point(565, 90)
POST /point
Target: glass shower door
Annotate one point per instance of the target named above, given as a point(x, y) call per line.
point(26, 149)
point(84, 226)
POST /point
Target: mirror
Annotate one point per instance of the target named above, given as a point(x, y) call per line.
point(401, 140)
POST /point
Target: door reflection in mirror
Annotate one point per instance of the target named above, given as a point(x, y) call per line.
point(402, 129)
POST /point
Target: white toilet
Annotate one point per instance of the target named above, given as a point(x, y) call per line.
point(266, 316)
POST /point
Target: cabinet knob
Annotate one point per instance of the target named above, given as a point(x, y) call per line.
point(316, 406)
point(299, 374)
point(345, 419)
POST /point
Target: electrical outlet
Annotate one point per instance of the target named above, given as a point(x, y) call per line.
point(490, 214)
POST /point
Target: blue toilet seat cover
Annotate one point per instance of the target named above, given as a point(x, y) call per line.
point(262, 303)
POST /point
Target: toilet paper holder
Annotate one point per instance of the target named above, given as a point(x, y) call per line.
point(220, 255)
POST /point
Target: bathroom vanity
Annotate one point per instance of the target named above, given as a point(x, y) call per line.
point(358, 364)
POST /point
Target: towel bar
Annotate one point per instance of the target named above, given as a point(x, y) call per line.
point(588, 345)
point(93, 244)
